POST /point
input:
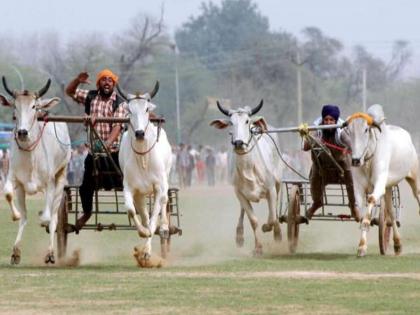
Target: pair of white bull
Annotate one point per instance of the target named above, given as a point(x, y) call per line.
point(40, 153)
point(383, 155)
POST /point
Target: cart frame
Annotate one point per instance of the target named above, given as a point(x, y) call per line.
point(106, 203)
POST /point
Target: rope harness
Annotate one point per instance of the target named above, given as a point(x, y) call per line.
point(153, 145)
point(32, 146)
point(251, 136)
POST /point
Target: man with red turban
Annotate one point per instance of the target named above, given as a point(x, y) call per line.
point(101, 102)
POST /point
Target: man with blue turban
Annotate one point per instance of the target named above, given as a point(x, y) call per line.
point(324, 171)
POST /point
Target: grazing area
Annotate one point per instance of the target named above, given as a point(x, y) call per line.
point(206, 273)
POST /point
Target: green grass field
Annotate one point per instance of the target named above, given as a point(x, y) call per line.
point(207, 274)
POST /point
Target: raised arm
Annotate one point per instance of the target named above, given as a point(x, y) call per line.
point(72, 86)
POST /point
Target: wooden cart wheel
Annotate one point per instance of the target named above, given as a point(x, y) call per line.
point(384, 229)
point(293, 213)
point(62, 221)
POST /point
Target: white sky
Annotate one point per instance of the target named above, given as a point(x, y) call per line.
point(372, 23)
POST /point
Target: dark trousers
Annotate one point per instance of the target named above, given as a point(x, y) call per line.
point(319, 180)
point(106, 177)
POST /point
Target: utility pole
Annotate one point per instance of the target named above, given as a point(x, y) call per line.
point(299, 87)
point(364, 89)
point(298, 63)
point(178, 115)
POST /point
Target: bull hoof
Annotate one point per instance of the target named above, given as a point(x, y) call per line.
point(50, 258)
point(144, 232)
point(397, 249)
point(15, 258)
point(44, 219)
point(267, 227)
point(16, 217)
point(44, 222)
point(366, 223)
point(361, 252)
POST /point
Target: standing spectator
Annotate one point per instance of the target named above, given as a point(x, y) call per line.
point(191, 164)
point(200, 164)
point(184, 162)
point(210, 166)
point(222, 165)
point(173, 173)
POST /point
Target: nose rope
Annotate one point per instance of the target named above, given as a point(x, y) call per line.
point(249, 140)
point(150, 149)
point(35, 143)
point(373, 152)
point(367, 147)
point(32, 146)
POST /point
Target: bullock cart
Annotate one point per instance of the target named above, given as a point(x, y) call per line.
point(109, 213)
point(296, 198)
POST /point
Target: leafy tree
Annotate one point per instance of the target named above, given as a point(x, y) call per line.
point(220, 31)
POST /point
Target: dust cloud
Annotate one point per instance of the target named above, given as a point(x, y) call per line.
point(208, 222)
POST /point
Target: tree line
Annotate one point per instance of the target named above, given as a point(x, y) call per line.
point(226, 52)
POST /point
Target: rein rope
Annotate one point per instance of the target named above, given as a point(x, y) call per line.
point(337, 147)
point(284, 161)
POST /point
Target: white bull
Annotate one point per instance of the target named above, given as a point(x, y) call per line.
point(145, 159)
point(39, 156)
point(258, 170)
point(383, 155)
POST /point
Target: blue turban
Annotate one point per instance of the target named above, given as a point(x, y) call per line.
point(331, 110)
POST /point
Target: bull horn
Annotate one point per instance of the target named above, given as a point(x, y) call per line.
point(224, 111)
point(121, 92)
point(3, 78)
point(257, 109)
point(44, 90)
point(155, 90)
point(376, 125)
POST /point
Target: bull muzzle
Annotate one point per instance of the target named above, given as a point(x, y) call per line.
point(22, 134)
point(356, 162)
point(238, 144)
point(139, 134)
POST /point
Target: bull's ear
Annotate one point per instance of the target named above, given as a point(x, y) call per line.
point(49, 103)
point(4, 101)
point(260, 122)
point(151, 107)
point(220, 123)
